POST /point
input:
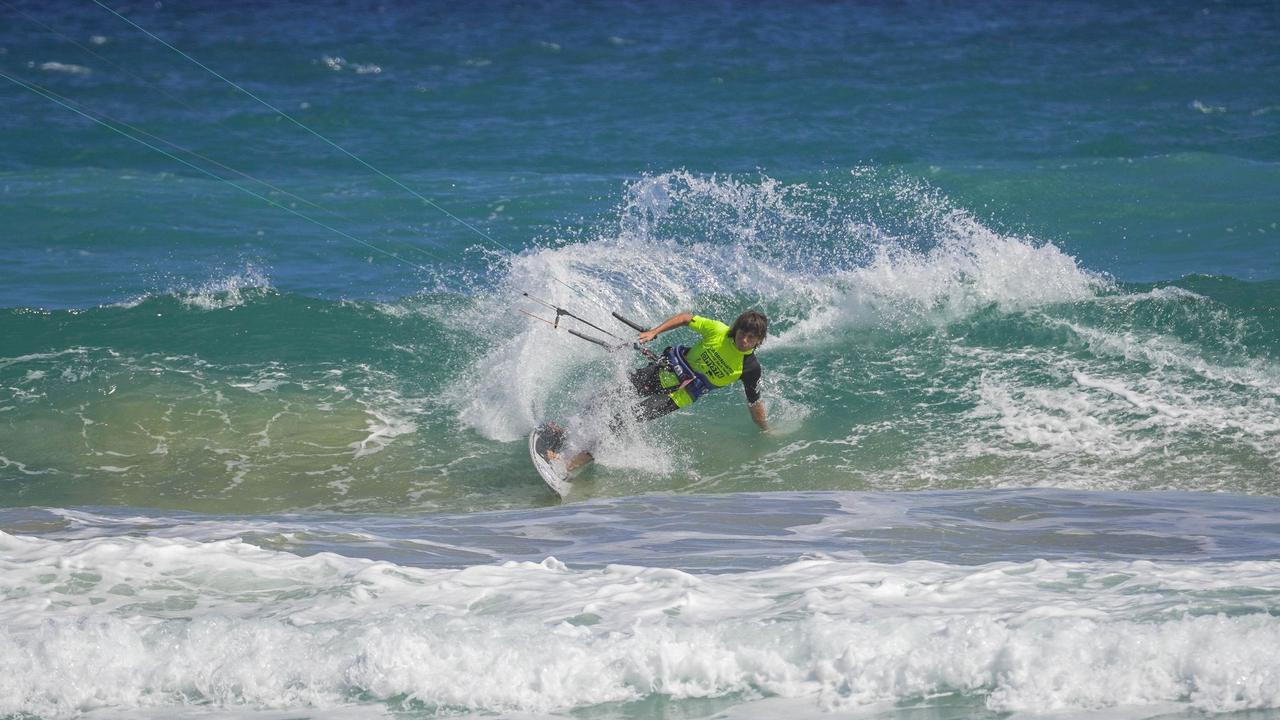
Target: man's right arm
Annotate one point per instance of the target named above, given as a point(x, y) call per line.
point(670, 323)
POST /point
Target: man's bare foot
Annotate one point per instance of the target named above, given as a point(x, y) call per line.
point(579, 460)
point(575, 463)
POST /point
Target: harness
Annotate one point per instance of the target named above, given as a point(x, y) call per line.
point(691, 381)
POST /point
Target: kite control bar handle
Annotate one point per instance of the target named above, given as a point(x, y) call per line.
point(649, 354)
point(590, 339)
point(633, 325)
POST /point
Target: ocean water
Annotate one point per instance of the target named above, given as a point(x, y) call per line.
point(265, 378)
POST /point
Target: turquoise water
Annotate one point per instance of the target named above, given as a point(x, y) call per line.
point(262, 408)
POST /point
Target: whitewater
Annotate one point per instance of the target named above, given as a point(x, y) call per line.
point(1032, 601)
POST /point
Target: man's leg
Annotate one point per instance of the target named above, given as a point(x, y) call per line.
point(646, 380)
point(653, 403)
point(654, 407)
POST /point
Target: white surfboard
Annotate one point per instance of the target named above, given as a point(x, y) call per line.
point(549, 436)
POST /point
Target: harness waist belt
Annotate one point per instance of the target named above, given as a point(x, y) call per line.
point(693, 382)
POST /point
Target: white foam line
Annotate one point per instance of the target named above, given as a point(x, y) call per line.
point(1259, 375)
point(384, 428)
point(22, 467)
point(1133, 398)
point(6, 362)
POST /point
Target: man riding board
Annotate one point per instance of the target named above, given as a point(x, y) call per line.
point(680, 375)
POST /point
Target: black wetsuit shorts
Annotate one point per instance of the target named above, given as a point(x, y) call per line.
point(655, 400)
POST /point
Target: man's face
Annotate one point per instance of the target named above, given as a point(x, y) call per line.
point(745, 341)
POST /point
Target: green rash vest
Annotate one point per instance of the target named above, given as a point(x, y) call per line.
point(715, 357)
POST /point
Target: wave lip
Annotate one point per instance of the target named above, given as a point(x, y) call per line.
point(227, 292)
point(902, 290)
point(819, 258)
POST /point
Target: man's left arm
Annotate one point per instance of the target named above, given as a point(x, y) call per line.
point(757, 414)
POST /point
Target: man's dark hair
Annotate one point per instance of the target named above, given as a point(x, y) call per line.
point(751, 322)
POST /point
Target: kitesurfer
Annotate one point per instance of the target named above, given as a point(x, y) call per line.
point(679, 375)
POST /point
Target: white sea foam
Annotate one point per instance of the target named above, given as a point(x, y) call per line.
point(1170, 354)
point(969, 271)
point(1206, 108)
point(129, 303)
point(34, 357)
point(66, 68)
point(1058, 418)
point(1063, 419)
point(383, 427)
point(7, 463)
point(265, 379)
point(226, 292)
point(126, 622)
point(337, 63)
